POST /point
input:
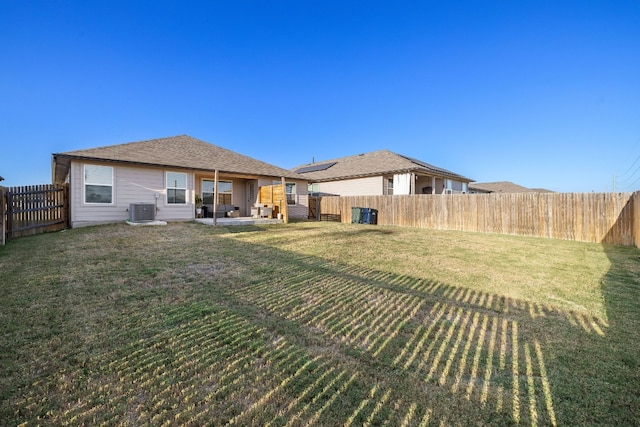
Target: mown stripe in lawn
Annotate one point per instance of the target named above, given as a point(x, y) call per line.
point(453, 348)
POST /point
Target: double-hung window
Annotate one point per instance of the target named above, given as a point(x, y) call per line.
point(225, 190)
point(98, 184)
point(207, 191)
point(290, 190)
point(176, 188)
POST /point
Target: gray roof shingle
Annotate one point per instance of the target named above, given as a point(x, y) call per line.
point(380, 162)
point(181, 151)
point(504, 187)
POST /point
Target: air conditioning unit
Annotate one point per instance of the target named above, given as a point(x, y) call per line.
point(139, 212)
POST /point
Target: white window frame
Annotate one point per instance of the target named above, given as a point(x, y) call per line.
point(168, 187)
point(205, 194)
point(290, 195)
point(230, 192)
point(86, 182)
point(213, 194)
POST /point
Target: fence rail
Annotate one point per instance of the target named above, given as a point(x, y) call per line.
point(589, 217)
point(33, 209)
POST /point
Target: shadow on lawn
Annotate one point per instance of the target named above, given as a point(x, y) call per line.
point(478, 352)
point(306, 341)
point(598, 381)
point(617, 369)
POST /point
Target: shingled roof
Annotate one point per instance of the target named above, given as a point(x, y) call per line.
point(382, 162)
point(183, 151)
point(504, 187)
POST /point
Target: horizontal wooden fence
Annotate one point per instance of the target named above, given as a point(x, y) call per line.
point(589, 217)
point(33, 209)
point(275, 195)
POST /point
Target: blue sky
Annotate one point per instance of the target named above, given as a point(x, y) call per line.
point(544, 94)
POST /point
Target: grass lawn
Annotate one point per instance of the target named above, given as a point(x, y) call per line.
point(316, 323)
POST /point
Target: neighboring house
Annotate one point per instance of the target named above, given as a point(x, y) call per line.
point(166, 172)
point(503, 187)
point(380, 173)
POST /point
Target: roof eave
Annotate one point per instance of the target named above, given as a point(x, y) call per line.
point(191, 168)
point(391, 172)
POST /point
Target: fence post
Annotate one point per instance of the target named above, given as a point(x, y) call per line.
point(635, 226)
point(66, 209)
point(3, 216)
point(8, 195)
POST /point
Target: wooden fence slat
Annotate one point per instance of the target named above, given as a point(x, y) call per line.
point(275, 195)
point(589, 217)
point(3, 217)
point(34, 209)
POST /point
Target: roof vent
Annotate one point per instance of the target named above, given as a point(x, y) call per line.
point(140, 212)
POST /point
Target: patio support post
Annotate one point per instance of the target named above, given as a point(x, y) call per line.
point(215, 198)
point(412, 184)
point(433, 185)
point(3, 219)
point(285, 205)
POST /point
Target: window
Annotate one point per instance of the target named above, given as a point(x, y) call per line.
point(313, 188)
point(207, 191)
point(225, 188)
point(389, 186)
point(290, 189)
point(98, 184)
point(176, 188)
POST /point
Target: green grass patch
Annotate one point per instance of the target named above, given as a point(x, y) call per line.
point(316, 323)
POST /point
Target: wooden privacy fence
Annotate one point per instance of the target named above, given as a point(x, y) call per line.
point(33, 209)
point(589, 217)
point(276, 197)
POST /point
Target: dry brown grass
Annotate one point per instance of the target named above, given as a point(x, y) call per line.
point(316, 323)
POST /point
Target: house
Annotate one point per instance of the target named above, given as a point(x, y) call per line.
point(502, 187)
point(380, 173)
point(167, 173)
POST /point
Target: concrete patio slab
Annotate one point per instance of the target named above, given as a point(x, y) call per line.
point(240, 221)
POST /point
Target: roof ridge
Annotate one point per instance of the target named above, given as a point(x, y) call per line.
point(182, 151)
point(340, 158)
point(376, 162)
point(129, 143)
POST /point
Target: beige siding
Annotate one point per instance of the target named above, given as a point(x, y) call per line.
point(371, 186)
point(141, 184)
point(301, 208)
point(131, 185)
point(239, 197)
point(266, 181)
